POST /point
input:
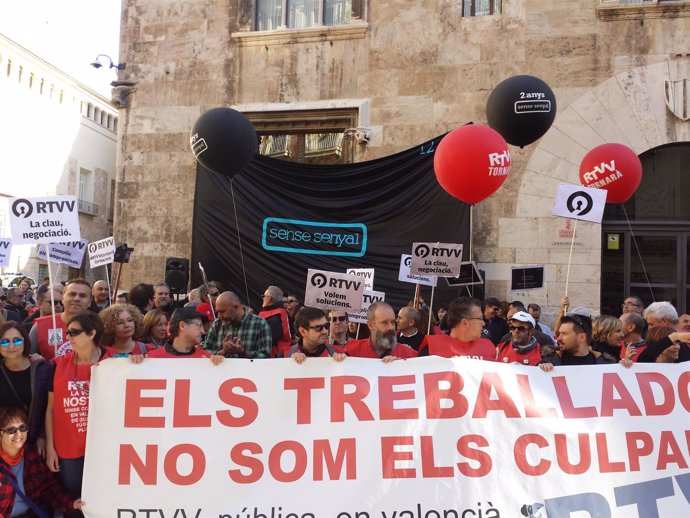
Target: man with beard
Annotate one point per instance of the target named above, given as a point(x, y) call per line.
point(466, 322)
point(574, 336)
point(523, 346)
point(312, 327)
point(382, 343)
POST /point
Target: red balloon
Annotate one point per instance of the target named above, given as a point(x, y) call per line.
point(613, 167)
point(471, 162)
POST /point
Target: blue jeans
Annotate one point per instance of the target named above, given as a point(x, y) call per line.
point(71, 472)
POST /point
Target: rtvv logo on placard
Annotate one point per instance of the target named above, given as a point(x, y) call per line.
point(313, 237)
point(22, 208)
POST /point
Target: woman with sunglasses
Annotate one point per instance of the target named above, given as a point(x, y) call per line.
point(68, 401)
point(26, 485)
point(23, 383)
point(122, 322)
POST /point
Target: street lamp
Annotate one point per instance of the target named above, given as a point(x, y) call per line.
point(97, 64)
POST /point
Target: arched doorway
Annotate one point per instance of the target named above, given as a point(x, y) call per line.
point(659, 224)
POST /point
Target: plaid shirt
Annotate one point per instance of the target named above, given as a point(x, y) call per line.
point(254, 332)
point(40, 484)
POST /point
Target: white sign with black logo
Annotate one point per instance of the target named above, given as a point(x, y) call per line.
point(5, 251)
point(330, 290)
point(71, 254)
point(51, 219)
point(365, 273)
point(404, 274)
point(101, 252)
point(438, 259)
point(368, 298)
point(577, 202)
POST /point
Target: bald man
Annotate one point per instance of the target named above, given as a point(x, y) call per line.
point(100, 299)
point(236, 333)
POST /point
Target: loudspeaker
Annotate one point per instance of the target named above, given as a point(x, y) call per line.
point(177, 274)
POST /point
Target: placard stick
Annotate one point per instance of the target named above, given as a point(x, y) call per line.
point(417, 296)
point(431, 309)
point(107, 279)
point(203, 275)
point(570, 257)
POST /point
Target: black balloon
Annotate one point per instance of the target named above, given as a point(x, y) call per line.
point(223, 140)
point(521, 108)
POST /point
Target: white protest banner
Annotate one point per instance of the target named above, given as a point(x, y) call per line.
point(404, 274)
point(366, 273)
point(427, 437)
point(437, 259)
point(577, 202)
point(101, 252)
point(71, 253)
point(330, 290)
point(5, 251)
point(368, 298)
point(50, 219)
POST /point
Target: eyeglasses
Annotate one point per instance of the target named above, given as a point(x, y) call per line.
point(522, 329)
point(473, 318)
point(290, 301)
point(75, 331)
point(14, 429)
point(338, 319)
point(196, 323)
point(5, 342)
point(320, 327)
point(626, 303)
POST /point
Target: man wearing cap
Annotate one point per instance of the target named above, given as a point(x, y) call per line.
point(186, 326)
point(494, 326)
point(312, 327)
point(382, 342)
point(274, 312)
point(523, 347)
point(236, 333)
point(574, 336)
point(465, 322)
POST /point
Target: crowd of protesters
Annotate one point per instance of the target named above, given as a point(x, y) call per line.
point(46, 357)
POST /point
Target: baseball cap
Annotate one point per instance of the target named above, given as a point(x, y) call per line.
point(582, 311)
point(182, 314)
point(521, 316)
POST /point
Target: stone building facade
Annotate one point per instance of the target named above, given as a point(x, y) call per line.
point(59, 137)
point(403, 72)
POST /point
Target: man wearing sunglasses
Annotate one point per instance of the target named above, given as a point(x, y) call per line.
point(522, 347)
point(312, 327)
point(339, 320)
point(274, 312)
point(44, 307)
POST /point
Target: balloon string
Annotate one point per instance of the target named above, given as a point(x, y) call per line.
point(239, 241)
point(632, 234)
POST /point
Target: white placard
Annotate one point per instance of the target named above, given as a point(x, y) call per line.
point(578, 202)
point(365, 273)
point(330, 290)
point(101, 252)
point(71, 253)
point(437, 259)
point(5, 251)
point(50, 219)
point(368, 298)
point(404, 274)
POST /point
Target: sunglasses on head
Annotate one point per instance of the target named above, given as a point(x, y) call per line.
point(75, 331)
point(338, 319)
point(5, 342)
point(320, 327)
point(14, 429)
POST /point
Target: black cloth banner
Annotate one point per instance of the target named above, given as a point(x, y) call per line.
point(292, 217)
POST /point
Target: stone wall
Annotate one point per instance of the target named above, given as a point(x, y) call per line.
point(425, 70)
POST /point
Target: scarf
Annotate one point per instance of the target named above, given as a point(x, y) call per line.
point(524, 349)
point(12, 461)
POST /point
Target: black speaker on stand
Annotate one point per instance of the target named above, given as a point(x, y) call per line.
point(177, 274)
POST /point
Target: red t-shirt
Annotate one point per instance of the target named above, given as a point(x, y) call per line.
point(508, 354)
point(70, 389)
point(363, 349)
point(447, 347)
point(169, 352)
